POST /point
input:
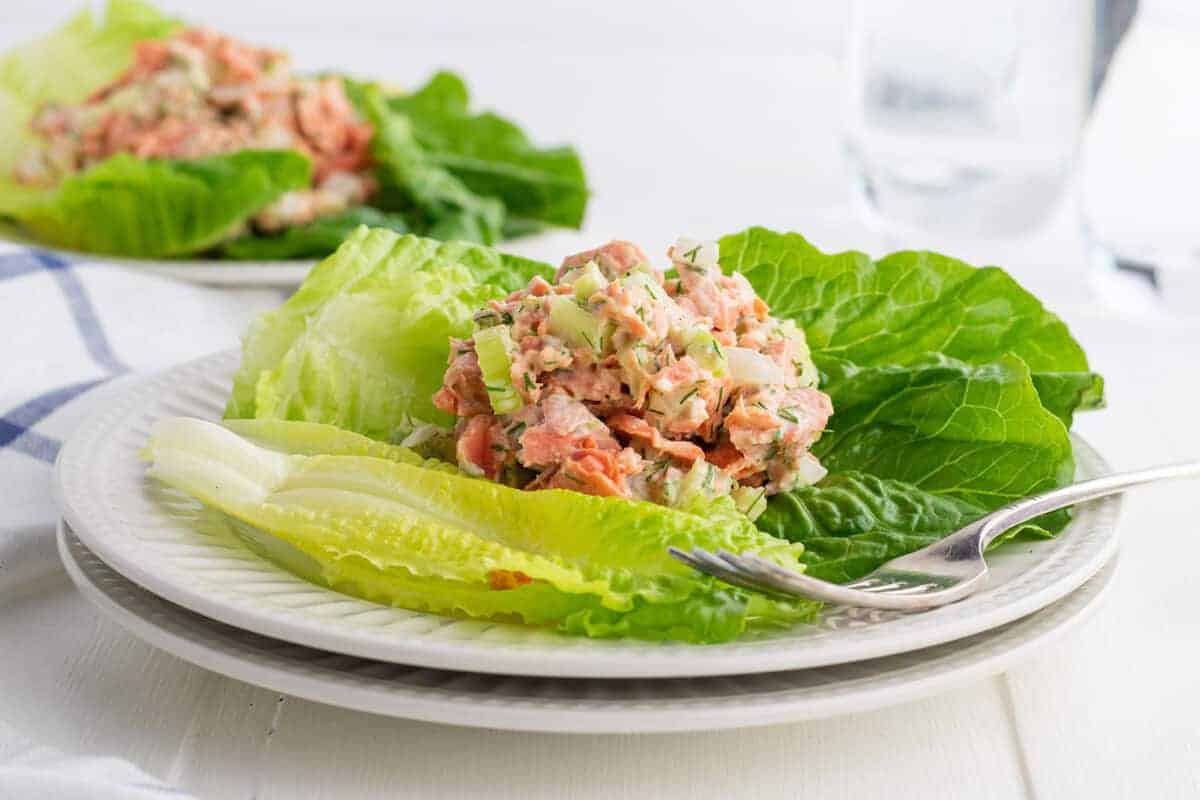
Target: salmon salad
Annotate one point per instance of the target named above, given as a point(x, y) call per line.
point(141, 135)
point(622, 379)
point(199, 93)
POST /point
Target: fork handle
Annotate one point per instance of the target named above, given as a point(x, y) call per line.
point(1007, 517)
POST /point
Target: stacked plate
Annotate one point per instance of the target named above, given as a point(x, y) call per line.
point(219, 595)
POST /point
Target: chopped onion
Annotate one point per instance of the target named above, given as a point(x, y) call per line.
point(750, 368)
point(694, 251)
point(422, 434)
point(809, 470)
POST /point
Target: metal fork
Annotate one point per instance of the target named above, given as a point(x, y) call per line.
point(943, 572)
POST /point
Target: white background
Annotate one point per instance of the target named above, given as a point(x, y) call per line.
point(698, 118)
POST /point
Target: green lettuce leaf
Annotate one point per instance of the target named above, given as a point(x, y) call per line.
point(432, 199)
point(493, 157)
point(952, 389)
point(911, 304)
point(65, 66)
point(979, 433)
point(317, 239)
point(364, 342)
point(161, 208)
point(383, 527)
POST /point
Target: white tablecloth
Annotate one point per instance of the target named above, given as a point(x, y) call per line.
point(71, 328)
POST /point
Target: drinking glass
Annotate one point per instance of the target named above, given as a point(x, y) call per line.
point(963, 117)
point(1143, 165)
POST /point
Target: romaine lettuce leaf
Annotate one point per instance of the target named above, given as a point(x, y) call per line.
point(65, 66)
point(390, 530)
point(161, 208)
point(492, 156)
point(952, 384)
point(979, 433)
point(317, 239)
point(911, 304)
point(432, 199)
point(364, 342)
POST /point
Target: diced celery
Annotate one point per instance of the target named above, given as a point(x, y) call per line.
point(589, 281)
point(703, 480)
point(750, 500)
point(706, 351)
point(494, 347)
point(574, 324)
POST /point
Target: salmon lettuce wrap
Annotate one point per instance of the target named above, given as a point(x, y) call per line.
point(141, 135)
point(445, 427)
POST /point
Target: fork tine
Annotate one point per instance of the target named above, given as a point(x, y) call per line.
point(732, 572)
point(750, 571)
point(684, 556)
point(754, 568)
point(747, 577)
point(759, 578)
point(704, 561)
point(696, 561)
point(735, 563)
point(788, 582)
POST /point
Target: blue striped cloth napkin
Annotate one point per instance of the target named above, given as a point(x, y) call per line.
point(69, 330)
point(74, 332)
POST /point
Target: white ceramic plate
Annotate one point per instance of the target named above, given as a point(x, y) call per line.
point(161, 540)
point(217, 272)
point(548, 246)
point(569, 706)
point(208, 272)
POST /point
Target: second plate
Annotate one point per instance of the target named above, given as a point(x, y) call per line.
point(554, 705)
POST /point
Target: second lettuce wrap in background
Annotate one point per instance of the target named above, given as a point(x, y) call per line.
point(139, 136)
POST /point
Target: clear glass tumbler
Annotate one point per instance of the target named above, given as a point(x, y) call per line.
point(963, 117)
point(1142, 166)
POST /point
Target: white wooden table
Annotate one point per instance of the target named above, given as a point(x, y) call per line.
point(1111, 711)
